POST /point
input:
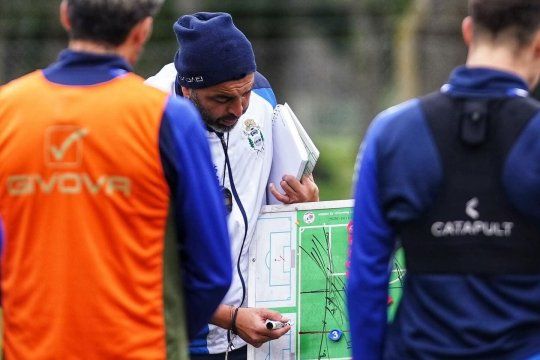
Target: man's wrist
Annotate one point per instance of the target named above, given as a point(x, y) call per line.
point(223, 316)
point(234, 329)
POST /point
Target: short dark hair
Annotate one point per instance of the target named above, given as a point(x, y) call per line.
point(517, 18)
point(108, 21)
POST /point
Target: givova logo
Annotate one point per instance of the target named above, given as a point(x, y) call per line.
point(471, 228)
point(64, 145)
point(64, 150)
point(67, 183)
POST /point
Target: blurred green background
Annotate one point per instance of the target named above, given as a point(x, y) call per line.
point(336, 62)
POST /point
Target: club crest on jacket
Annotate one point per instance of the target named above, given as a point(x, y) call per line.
point(254, 135)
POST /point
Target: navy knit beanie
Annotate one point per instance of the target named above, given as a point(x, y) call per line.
point(212, 50)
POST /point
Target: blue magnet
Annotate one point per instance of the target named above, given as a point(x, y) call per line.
point(335, 335)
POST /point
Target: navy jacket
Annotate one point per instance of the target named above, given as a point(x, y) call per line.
point(440, 316)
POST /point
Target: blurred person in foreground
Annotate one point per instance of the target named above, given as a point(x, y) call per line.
point(454, 176)
point(215, 68)
point(113, 220)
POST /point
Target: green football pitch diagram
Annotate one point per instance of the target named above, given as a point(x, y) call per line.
point(299, 264)
point(322, 264)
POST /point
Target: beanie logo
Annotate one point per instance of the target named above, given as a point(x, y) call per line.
point(192, 79)
point(254, 135)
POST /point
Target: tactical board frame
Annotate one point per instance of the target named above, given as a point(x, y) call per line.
point(298, 267)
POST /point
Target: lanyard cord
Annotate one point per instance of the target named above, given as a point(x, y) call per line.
point(242, 211)
point(244, 216)
point(225, 150)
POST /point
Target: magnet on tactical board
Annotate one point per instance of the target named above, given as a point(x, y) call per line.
point(335, 335)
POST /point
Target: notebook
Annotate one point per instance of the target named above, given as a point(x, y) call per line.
point(294, 151)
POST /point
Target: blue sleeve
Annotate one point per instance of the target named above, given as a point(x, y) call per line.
point(520, 178)
point(199, 212)
point(399, 174)
point(371, 248)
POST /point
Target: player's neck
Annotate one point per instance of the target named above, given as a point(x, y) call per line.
point(126, 50)
point(93, 47)
point(503, 58)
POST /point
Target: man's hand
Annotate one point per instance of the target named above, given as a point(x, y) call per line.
point(251, 325)
point(296, 191)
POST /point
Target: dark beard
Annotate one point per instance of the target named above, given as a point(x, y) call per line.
point(209, 121)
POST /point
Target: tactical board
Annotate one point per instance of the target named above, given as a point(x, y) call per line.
point(298, 267)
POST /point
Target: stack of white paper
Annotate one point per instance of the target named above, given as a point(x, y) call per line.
point(294, 152)
point(312, 151)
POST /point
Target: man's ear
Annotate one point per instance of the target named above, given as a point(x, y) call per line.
point(186, 92)
point(64, 16)
point(141, 32)
point(467, 30)
point(536, 45)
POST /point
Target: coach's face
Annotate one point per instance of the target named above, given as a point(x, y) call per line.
point(222, 105)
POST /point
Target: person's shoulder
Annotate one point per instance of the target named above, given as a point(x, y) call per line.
point(533, 103)
point(135, 94)
point(261, 82)
point(395, 124)
point(399, 110)
point(398, 115)
point(263, 88)
point(182, 112)
point(21, 84)
point(164, 78)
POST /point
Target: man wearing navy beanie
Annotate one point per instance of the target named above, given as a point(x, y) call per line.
point(212, 51)
point(215, 68)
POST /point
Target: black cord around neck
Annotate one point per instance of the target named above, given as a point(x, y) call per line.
point(225, 147)
point(242, 211)
point(226, 151)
